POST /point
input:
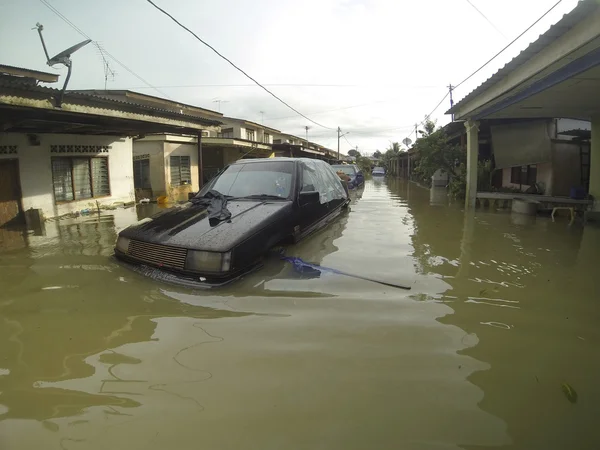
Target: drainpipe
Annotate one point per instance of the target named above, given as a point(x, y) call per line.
point(200, 164)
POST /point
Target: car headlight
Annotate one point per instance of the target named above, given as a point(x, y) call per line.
point(123, 244)
point(208, 261)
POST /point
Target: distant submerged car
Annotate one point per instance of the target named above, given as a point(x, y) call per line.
point(356, 176)
point(223, 232)
point(378, 172)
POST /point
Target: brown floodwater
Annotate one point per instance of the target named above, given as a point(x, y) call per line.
point(496, 345)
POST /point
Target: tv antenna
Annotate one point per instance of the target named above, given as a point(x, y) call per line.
point(63, 58)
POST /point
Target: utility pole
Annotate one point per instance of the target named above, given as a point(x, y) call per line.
point(450, 89)
point(339, 132)
point(262, 117)
point(307, 128)
point(416, 131)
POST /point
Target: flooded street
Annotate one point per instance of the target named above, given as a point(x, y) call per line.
point(502, 315)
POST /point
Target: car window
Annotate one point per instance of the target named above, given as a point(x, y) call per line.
point(323, 178)
point(348, 170)
point(264, 178)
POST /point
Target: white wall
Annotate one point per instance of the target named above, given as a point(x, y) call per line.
point(36, 173)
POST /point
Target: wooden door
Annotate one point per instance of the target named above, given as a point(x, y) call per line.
point(10, 193)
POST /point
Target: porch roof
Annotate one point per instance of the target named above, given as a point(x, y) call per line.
point(556, 76)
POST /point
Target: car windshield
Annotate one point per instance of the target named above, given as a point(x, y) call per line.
point(348, 170)
point(269, 179)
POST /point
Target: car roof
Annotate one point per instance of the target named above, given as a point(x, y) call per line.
point(276, 159)
point(378, 168)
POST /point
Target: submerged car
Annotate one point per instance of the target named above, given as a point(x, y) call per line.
point(244, 211)
point(356, 176)
point(378, 172)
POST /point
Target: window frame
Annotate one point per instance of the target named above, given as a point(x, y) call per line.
point(142, 161)
point(266, 138)
point(70, 158)
point(250, 132)
point(524, 176)
point(189, 159)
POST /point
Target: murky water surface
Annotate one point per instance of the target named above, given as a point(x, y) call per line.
point(502, 313)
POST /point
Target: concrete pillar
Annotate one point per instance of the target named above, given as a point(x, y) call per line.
point(595, 163)
point(472, 127)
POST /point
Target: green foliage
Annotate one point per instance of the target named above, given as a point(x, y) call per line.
point(353, 153)
point(435, 152)
point(363, 163)
point(377, 154)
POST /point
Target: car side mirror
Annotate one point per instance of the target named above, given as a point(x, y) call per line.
point(308, 198)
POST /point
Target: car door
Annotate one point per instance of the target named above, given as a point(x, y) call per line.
point(310, 214)
point(360, 178)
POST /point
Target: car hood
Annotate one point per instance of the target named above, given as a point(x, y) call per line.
point(188, 225)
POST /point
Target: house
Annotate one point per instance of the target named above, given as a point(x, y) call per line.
point(238, 139)
point(557, 76)
point(56, 160)
point(167, 164)
point(292, 146)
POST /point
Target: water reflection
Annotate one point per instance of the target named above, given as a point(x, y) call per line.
point(524, 287)
point(501, 313)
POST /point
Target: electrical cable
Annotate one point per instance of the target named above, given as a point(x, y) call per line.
point(510, 43)
point(485, 17)
point(234, 65)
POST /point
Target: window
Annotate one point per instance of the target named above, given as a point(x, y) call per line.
point(258, 178)
point(266, 138)
point(523, 175)
point(226, 133)
point(250, 134)
point(80, 178)
point(141, 174)
point(180, 170)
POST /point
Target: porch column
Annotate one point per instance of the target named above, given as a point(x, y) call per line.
point(595, 163)
point(200, 163)
point(472, 127)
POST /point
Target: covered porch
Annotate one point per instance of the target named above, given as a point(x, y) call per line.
point(557, 76)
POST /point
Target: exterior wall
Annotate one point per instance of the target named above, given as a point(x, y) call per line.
point(230, 155)
point(155, 150)
point(567, 167)
point(178, 193)
point(35, 170)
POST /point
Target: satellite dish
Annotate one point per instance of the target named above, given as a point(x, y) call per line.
point(63, 57)
point(407, 141)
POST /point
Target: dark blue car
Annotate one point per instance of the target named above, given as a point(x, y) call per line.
point(357, 178)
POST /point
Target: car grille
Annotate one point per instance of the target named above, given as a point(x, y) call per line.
point(158, 255)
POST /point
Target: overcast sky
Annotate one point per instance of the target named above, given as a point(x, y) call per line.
point(372, 67)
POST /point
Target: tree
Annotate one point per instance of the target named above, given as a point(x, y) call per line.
point(354, 153)
point(436, 152)
point(377, 154)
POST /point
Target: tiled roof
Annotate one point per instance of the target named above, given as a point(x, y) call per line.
point(25, 87)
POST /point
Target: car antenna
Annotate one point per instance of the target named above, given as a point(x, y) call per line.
point(63, 57)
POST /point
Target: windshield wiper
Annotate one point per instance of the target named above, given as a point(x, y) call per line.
point(261, 197)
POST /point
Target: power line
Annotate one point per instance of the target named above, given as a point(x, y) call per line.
point(488, 20)
point(487, 62)
point(235, 66)
point(510, 43)
point(367, 85)
point(102, 50)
